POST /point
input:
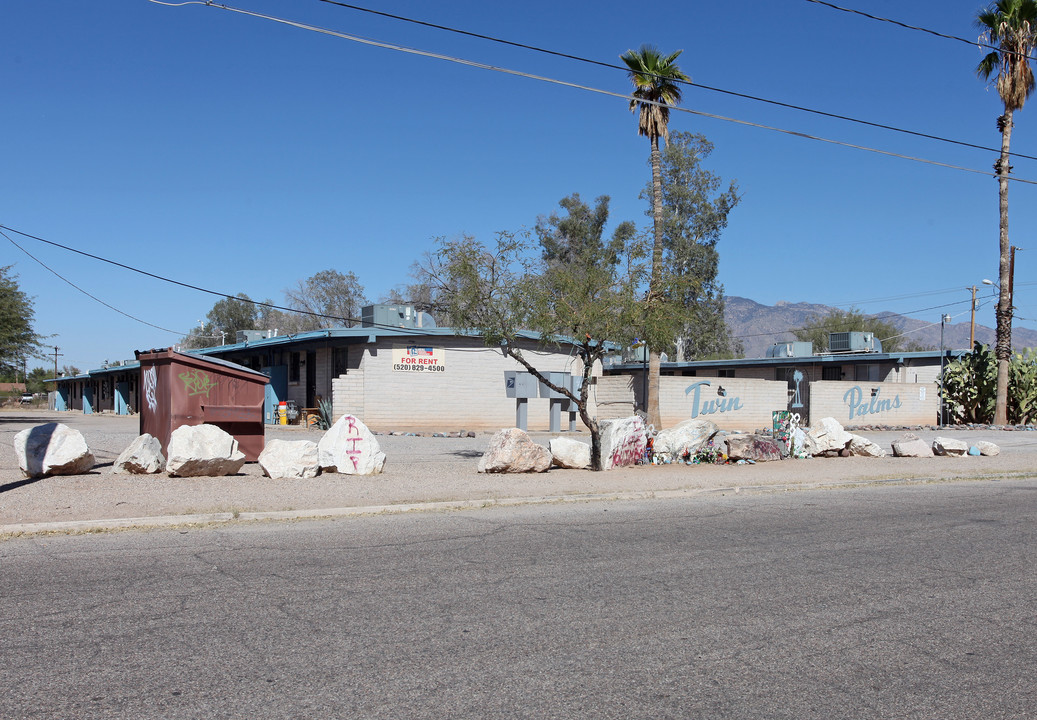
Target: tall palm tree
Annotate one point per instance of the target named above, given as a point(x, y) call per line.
point(1010, 26)
point(656, 79)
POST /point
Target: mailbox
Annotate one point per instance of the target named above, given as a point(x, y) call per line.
point(561, 379)
point(521, 385)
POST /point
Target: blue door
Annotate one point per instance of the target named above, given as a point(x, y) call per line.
point(88, 399)
point(276, 391)
point(61, 399)
point(122, 398)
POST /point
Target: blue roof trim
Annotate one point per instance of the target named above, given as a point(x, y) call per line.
point(898, 357)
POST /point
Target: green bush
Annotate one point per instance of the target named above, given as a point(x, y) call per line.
point(969, 387)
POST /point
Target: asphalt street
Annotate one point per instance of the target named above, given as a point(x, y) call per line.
point(899, 601)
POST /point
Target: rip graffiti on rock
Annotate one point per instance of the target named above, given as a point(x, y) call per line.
point(354, 437)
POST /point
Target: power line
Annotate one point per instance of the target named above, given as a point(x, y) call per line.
point(689, 83)
point(879, 18)
point(517, 73)
point(92, 297)
point(189, 286)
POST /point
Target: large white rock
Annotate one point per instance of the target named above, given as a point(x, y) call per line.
point(863, 447)
point(290, 459)
point(684, 438)
point(950, 446)
point(987, 449)
point(569, 453)
point(512, 451)
point(623, 442)
point(202, 451)
point(350, 448)
point(910, 445)
point(52, 449)
point(829, 435)
point(143, 457)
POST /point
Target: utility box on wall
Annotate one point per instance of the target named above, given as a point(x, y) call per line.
point(182, 389)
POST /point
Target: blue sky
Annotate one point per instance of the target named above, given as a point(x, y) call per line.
point(242, 155)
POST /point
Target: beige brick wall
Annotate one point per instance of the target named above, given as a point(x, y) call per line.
point(875, 403)
point(469, 394)
point(746, 404)
point(614, 396)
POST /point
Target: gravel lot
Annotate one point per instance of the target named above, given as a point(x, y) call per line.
point(428, 469)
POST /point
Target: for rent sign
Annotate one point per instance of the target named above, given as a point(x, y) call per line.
point(418, 359)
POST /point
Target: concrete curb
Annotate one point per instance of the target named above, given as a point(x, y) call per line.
point(73, 527)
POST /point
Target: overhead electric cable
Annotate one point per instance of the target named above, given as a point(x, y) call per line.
point(92, 297)
point(879, 18)
point(517, 73)
point(181, 284)
point(689, 83)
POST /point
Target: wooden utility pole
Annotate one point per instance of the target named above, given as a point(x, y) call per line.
point(972, 324)
point(56, 365)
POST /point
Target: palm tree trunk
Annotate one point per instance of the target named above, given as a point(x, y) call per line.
point(1003, 342)
point(654, 361)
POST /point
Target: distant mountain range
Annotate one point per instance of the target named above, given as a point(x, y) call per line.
point(760, 326)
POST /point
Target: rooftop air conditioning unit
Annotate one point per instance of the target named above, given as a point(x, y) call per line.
point(854, 342)
point(404, 316)
point(790, 349)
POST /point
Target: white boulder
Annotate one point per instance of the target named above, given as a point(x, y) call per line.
point(202, 451)
point(569, 453)
point(52, 449)
point(290, 459)
point(863, 447)
point(829, 436)
point(950, 446)
point(910, 445)
point(350, 448)
point(987, 449)
point(684, 438)
point(623, 442)
point(143, 457)
point(512, 451)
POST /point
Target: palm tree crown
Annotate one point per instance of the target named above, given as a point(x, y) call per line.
point(655, 78)
point(1011, 25)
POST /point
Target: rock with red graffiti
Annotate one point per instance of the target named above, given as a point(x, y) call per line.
point(512, 451)
point(757, 448)
point(348, 447)
point(623, 442)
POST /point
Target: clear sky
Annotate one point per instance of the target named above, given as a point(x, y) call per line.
point(242, 155)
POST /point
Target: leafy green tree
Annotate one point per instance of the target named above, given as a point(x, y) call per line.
point(578, 235)
point(34, 383)
point(223, 322)
point(817, 328)
point(18, 339)
point(695, 210)
point(326, 299)
point(597, 296)
point(656, 79)
point(1010, 26)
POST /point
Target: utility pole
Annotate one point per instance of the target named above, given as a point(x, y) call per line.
point(56, 365)
point(972, 324)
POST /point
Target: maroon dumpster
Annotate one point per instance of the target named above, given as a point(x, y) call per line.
point(182, 389)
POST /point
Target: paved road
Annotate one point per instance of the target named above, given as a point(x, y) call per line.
point(880, 602)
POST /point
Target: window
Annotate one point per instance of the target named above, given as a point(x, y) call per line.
point(832, 373)
point(726, 372)
point(866, 373)
point(293, 368)
point(339, 358)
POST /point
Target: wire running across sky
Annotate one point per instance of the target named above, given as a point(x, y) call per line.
point(587, 88)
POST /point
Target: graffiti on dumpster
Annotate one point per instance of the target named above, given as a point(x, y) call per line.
point(197, 382)
point(151, 388)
